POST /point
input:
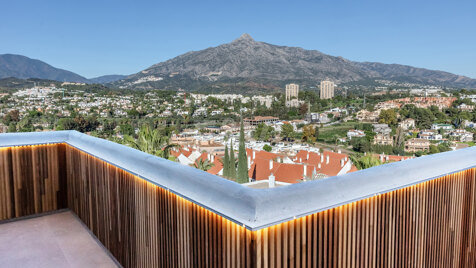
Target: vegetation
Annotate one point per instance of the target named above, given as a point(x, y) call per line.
point(151, 141)
point(204, 164)
point(267, 148)
point(365, 161)
point(242, 158)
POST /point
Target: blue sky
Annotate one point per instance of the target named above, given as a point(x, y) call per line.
point(95, 38)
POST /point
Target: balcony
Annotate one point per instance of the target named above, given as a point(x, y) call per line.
point(151, 212)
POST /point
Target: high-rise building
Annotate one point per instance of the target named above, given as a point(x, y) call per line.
point(327, 89)
point(292, 91)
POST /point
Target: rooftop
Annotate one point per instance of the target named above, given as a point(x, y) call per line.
point(256, 208)
point(56, 240)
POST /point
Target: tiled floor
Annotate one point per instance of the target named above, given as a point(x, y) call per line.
point(57, 240)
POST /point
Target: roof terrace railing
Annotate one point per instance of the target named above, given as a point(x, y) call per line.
point(256, 208)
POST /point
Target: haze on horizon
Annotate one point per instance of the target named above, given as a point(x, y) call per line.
point(119, 37)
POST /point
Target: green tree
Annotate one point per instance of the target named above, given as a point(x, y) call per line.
point(287, 131)
point(434, 149)
point(204, 164)
point(267, 148)
point(361, 145)
point(363, 162)
point(242, 158)
point(308, 134)
point(316, 132)
point(231, 163)
point(388, 117)
point(226, 163)
point(151, 141)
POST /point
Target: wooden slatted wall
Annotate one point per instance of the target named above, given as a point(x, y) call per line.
point(146, 226)
point(30, 180)
point(426, 225)
point(432, 224)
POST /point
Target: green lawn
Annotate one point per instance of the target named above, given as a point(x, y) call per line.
point(326, 134)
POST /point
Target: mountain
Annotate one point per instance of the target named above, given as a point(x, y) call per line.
point(23, 67)
point(246, 64)
point(107, 78)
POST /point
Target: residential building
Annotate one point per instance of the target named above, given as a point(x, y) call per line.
point(260, 119)
point(327, 89)
point(430, 134)
point(466, 107)
point(321, 118)
point(382, 129)
point(383, 139)
point(292, 92)
point(461, 135)
point(406, 124)
point(415, 145)
point(442, 126)
point(355, 133)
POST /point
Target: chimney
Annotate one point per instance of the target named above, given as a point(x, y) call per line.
point(307, 156)
point(327, 159)
point(319, 166)
point(322, 158)
point(342, 162)
point(209, 157)
point(212, 159)
point(300, 159)
point(254, 155)
point(339, 151)
point(271, 181)
point(304, 171)
point(249, 162)
point(270, 164)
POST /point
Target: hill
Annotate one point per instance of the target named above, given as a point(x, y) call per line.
point(23, 67)
point(247, 64)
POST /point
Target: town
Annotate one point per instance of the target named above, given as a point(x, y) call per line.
point(288, 137)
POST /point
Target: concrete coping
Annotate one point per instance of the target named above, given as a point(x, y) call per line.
point(251, 208)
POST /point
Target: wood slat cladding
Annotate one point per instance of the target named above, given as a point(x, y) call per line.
point(31, 180)
point(146, 226)
point(431, 224)
point(426, 225)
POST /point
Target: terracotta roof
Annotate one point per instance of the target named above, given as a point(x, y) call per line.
point(392, 158)
point(294, 173)
point(217, 163)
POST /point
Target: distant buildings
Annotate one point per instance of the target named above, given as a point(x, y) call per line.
point(415, 145)
point(327, 89)
point(355, 133)
point(318, 118)
point(292, 95)
point(442, 126)
point(260, 119)
point(407, 124)
point(383, 139)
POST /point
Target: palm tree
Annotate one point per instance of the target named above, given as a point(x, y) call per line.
point(204, 164)
point(151, 141)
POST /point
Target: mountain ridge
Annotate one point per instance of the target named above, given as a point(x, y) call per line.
point(261, 62)
point(22, 67)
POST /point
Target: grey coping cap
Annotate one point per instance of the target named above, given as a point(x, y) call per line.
point(257, 208)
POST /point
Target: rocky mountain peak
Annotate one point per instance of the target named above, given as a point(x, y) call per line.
point(245, 38)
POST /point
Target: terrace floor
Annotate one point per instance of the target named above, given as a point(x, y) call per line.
point(56, 240)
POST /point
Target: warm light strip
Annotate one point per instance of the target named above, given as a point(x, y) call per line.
point(297, 217)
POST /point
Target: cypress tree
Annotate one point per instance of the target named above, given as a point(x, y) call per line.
point(242, 159)
point(226, 163)
point(231, 163)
